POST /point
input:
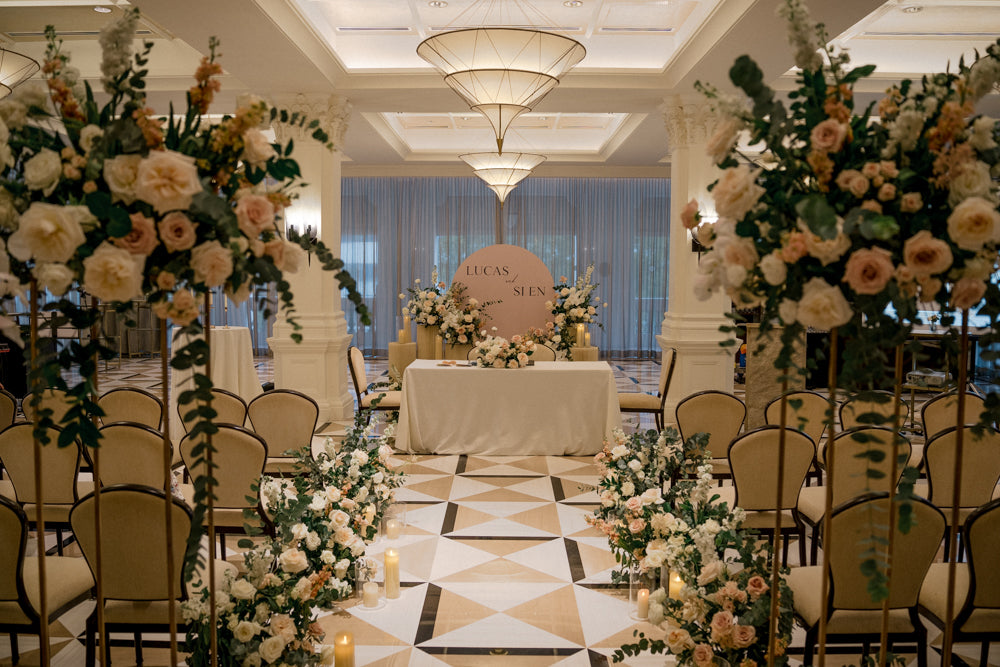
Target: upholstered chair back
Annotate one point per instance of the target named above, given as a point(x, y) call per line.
point(980, 466)
point(913, 552)
point(717, 413)
point(129, 404)
point(806, 412)
point(850, 470)
point(60, 465)
point(286, 420)
point(541, 353)
point(982, 534)
point(753, 459)
point(13, 534)
point(53, 399)
point(941, 412)
point(134, 542)
point(666, 371)
point(869, 411)
point(230, 409)
point(239, 456)
point(131, 454)
point(356, 362)
point(8, 408)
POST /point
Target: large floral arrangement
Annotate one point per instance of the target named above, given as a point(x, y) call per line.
point(638, 474)
point(426, 304)
point(265, 616)
point(326, 517)
point(574, 304)
point(849, 217)
point(498, 352)
point(462, 317)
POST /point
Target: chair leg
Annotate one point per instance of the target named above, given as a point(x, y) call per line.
point(802, 544)
point(138, 647)
point(222, 544)
point(59, 546)
point(922, 646)
point(14, 656)
point(814, 546)
point(89, 649)
point(810, 647)
point(984, 653)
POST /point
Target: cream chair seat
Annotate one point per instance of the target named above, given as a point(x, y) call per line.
point(637, 401)
point(717, 413)
point(286, 420)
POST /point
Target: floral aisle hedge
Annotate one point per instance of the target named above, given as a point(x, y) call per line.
point(119, 203)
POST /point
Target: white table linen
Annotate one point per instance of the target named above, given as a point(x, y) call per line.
point(232, 370)
point(551, 408)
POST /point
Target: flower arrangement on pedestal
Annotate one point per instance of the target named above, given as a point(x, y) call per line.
point(426, 304)
point(462, 317)
point(574, 304)
point(498, 352)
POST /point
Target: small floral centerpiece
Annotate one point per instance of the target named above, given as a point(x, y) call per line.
point(426, 304)
point(265, 616)
point(463, 317)
point(498, 352)
point(574, 304)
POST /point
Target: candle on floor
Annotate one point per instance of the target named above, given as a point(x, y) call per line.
point(343, 650)
point(405, 338)
point(392, 573)
point(370, 594)
point(642, 603)
point(392, 529)
point(438, 342)
point(579, 335)
point(586, 339)
point(675, 586)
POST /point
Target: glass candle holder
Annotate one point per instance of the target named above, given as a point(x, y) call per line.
point(640, 586)
point(366, 585)
point(393, 522)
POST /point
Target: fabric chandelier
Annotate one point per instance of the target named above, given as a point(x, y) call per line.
point(15, 69)
point(502, 171)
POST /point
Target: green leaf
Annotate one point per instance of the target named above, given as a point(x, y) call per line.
point(818, 215)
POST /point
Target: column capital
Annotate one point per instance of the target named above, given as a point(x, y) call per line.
point(333, 113)
point(690, 121)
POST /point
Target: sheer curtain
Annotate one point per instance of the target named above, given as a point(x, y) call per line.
point(397, 229)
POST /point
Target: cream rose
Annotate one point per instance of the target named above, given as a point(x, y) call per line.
point(167, 181)
point(738, 251)
point(292, 560)
point(283, 626)
point(689, 215)
point(828, 136)
point(212, 263)
point(89, 136)
point(43, 171)
point(822, 306)
point(242, 589)
point(271, 649)
point(142, 239)
point(925, 255)
point(972, 180)
point(54, 277)
point(711, 572)
point(257, 149)
point(736, 192)
point(294, 257)
point(177, 232)
point(967, 292)
point(245, 631)
point(13, 113)
point(868, 270)
point(49, 233)
point(774, 269)
point(723, 140)
point(703, 655)
point(974, 223)
point(113, 274)
point(827, 251)
point(276, 251)
point(120, 173)
point(255, 214)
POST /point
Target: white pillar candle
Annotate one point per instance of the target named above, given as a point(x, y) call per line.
point(586, 339)
point(370, 594)
point(642, 603)
point(399, 335)
point(392, 529)
point(392, 573)
point(343, 650)
point(579, 335)
point(405, 338)
point(675, 586)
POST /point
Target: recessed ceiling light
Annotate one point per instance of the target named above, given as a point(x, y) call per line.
point(573, 3)
point(912, 9)
point(101, 9)
point(437, 4)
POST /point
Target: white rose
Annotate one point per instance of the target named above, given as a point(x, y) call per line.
point(312, 540)
point(339, 518)
point(736, 192)
point(292, 561)
point(48, 233)
point(113, 273)
point(167, 181)
point(245, 631)
point(242, 589)
point(972, 180)
point(294, 257)
point(340, 569)
point(822, 306)
point(88, 136)
point(774, 269)
point(54, 277)
point(787, 310)
point(212, 263)
point(13, 113)
point(32, 95)
point(272, 648)
point(628, 489)
point(120, 174)
point(43, 171)
point(972, 224)
point(299, 531)
point(257, 149)
point(326, 556)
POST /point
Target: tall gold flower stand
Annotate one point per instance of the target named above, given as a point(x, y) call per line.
point(585, 353)
point(401, 355)
point(426, 340)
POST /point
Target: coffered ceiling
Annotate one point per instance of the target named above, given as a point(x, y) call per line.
point(606, 113)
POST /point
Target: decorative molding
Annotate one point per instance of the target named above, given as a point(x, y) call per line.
point(688, 123)
point(333, 113)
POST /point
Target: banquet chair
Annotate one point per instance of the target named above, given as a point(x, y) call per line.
point(53, 399)
point(753, 459)
point(635, 401)
point(239, 459)
point(230, 409)
point(136, 595)
point(852, 474)
point(8, 408)
point(68, 580)
point(976, 607)
point(853, 617)
point(388, 400)
point(541, 353)
point(717, 413)
point(980, 471)
point(806, 412)
point(286, 420)
point(60, 468)
point(871, 408)
point(130, 404)
point(941, 412)
point(131, 453)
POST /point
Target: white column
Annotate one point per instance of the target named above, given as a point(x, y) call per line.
point(689, 325)
point(318, 365)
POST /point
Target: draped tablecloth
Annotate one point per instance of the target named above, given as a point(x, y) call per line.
point(232, 370)
point(551, 408)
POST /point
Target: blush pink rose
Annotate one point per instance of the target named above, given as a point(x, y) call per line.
point(637, 526)
point(744, 636)
point(703, 655)
point(756, 586)
point(177, 232)
point(870, 170)
point(255, 214)
point(967, 292)
point(926, 255)
point(689, 215)
point(888, 169)
point(741, 252)
point(167, 180)
point(276, 251)
point(887, 192)
point(828, 136)
point(868, 270)
point(634, 504)
point(212, 263)
point(142, 239)
point(872, 205)
point(911, 202)
point(795, 247)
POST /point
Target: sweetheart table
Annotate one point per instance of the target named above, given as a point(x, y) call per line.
point(551, 408)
